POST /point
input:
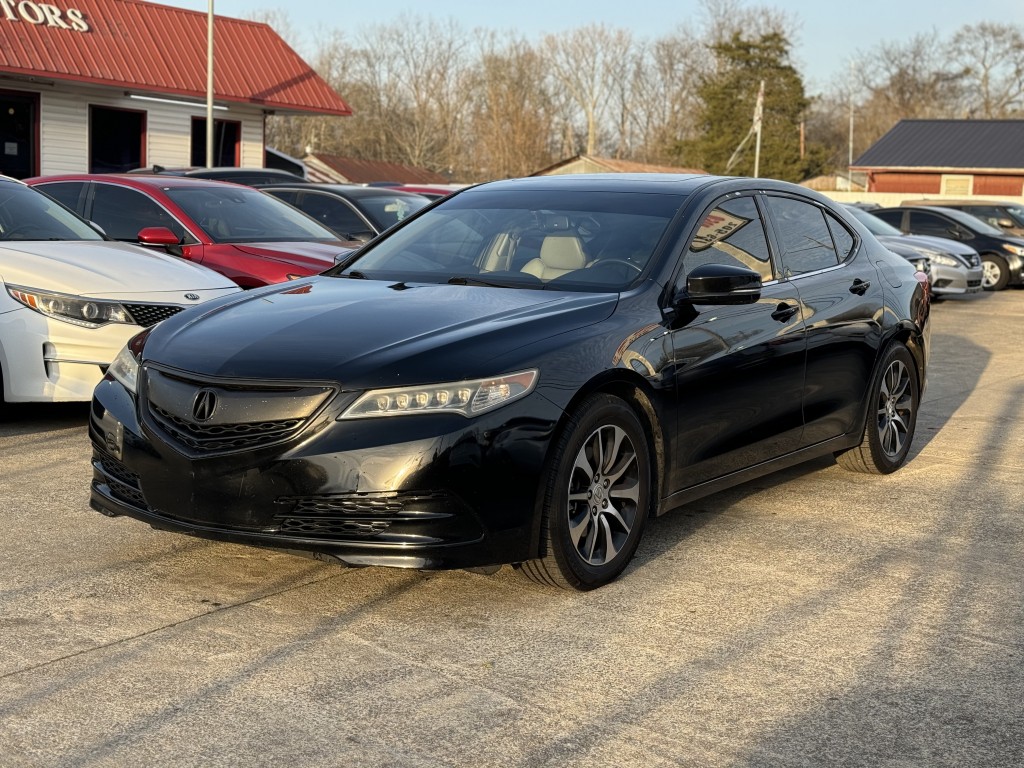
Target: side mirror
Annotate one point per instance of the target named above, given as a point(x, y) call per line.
point(157, 236)
point(955, 232)
point(722, 284)
point(1005, 223)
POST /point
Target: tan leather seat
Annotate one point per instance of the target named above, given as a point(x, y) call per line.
point(559, 254)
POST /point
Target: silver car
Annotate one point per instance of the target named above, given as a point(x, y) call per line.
point(954, 268)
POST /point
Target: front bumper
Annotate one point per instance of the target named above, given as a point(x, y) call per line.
point(48, 360)
point(947, 281)
point(429, 491)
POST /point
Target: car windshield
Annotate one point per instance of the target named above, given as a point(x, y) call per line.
point(583, 241)
point(27, 214)
point(874, 224)
point(241, 215)
point(387, 210)
point(1015, 214)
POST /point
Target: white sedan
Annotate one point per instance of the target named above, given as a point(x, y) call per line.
point(69, 299)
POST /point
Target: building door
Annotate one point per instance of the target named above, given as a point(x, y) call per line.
point(19, 134)
point(116, 139)
point(226, 143)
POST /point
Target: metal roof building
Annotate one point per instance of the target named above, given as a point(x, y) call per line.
point(954, 157)
point(103, 85)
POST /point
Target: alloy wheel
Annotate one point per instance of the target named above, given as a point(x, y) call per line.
point(895, 408)
point(603, 496)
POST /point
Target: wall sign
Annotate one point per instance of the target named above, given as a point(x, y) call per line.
point(44, 14)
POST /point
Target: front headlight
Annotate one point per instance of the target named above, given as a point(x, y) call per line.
point(1014, 249)
point(944, 260)
point(88, 313)
point(125, 368)
point(466, 398)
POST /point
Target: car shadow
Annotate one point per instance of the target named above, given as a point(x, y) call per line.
point(28, 418)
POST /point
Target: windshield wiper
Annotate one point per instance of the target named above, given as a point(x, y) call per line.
point(462, 280)
point(355, 274)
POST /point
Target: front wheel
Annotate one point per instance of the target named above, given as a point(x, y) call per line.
point(892, 416)
point(595, 499)
point(995, 272)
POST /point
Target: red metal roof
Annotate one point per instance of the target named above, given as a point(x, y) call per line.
point(156, 49)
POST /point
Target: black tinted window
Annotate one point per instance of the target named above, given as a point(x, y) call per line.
point(123, 212)
point(924, 223)
point(841, 237)
point(66, 193)
point(803, 236)
point(731, 233)
point(890, 217)
point(333, 213)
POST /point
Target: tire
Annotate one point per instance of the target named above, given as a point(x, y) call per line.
point(893, 401)
point(995, 272)
point(595, 497)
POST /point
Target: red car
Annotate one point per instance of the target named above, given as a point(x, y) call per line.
point(246, 235)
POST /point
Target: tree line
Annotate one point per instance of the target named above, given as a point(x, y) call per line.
point(485, 104)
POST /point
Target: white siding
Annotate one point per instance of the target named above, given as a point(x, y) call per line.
point(64, 128)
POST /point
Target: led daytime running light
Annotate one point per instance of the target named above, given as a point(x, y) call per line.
point(466, 398)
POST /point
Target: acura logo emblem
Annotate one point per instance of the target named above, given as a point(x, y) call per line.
point(192, 296)
point(204, 405)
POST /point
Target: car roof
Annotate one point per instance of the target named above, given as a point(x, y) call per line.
point(137, 180)
point(938, 203)
point(346, 190)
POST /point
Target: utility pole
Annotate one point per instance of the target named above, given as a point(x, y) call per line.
point(849, 161)
point(758, 114)
point(209, 85)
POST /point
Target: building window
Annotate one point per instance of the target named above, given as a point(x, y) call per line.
point(226, 143)
point(117, 139)
point(19, 134)
point(957, 185)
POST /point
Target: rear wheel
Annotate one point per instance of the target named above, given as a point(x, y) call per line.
point(595, 499)
point(995, 272)
point(892, 416)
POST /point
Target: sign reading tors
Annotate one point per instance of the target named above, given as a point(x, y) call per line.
point(45, 14)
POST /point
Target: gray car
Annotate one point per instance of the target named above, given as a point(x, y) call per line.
point(954, 268)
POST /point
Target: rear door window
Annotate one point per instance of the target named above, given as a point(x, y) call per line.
point(803, 235)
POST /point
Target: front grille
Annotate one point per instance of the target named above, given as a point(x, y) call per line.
point(225, 437)
point(356, 515)
point(122, 482)
point(207, 416)
point(151, 314)
point(973, 283)
point(292, 526)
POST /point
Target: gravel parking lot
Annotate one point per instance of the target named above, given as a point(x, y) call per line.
point(814, 617)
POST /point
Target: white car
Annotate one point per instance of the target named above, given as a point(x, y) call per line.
point(69, 299)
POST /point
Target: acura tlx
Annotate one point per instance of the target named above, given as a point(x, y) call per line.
point(522, 373)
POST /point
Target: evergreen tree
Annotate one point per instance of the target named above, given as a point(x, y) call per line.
point(728, 95)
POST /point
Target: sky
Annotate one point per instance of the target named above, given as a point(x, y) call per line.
point(828, 36)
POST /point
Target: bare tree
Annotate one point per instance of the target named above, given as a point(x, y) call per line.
point(511, 115)
point(584, 64)
point(991, 57)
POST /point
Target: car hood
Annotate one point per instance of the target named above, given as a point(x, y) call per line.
point(367, 333)
point(101, 269)
point(315, 256)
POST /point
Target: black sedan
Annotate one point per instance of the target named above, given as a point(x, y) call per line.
point(1002, 255)
point(351, 211)
point(523, 373)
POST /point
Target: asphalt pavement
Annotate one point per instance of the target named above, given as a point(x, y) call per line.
point(811, 618)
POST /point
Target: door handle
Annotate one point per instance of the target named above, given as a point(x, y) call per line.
point(860, 287)
point(785, 311)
